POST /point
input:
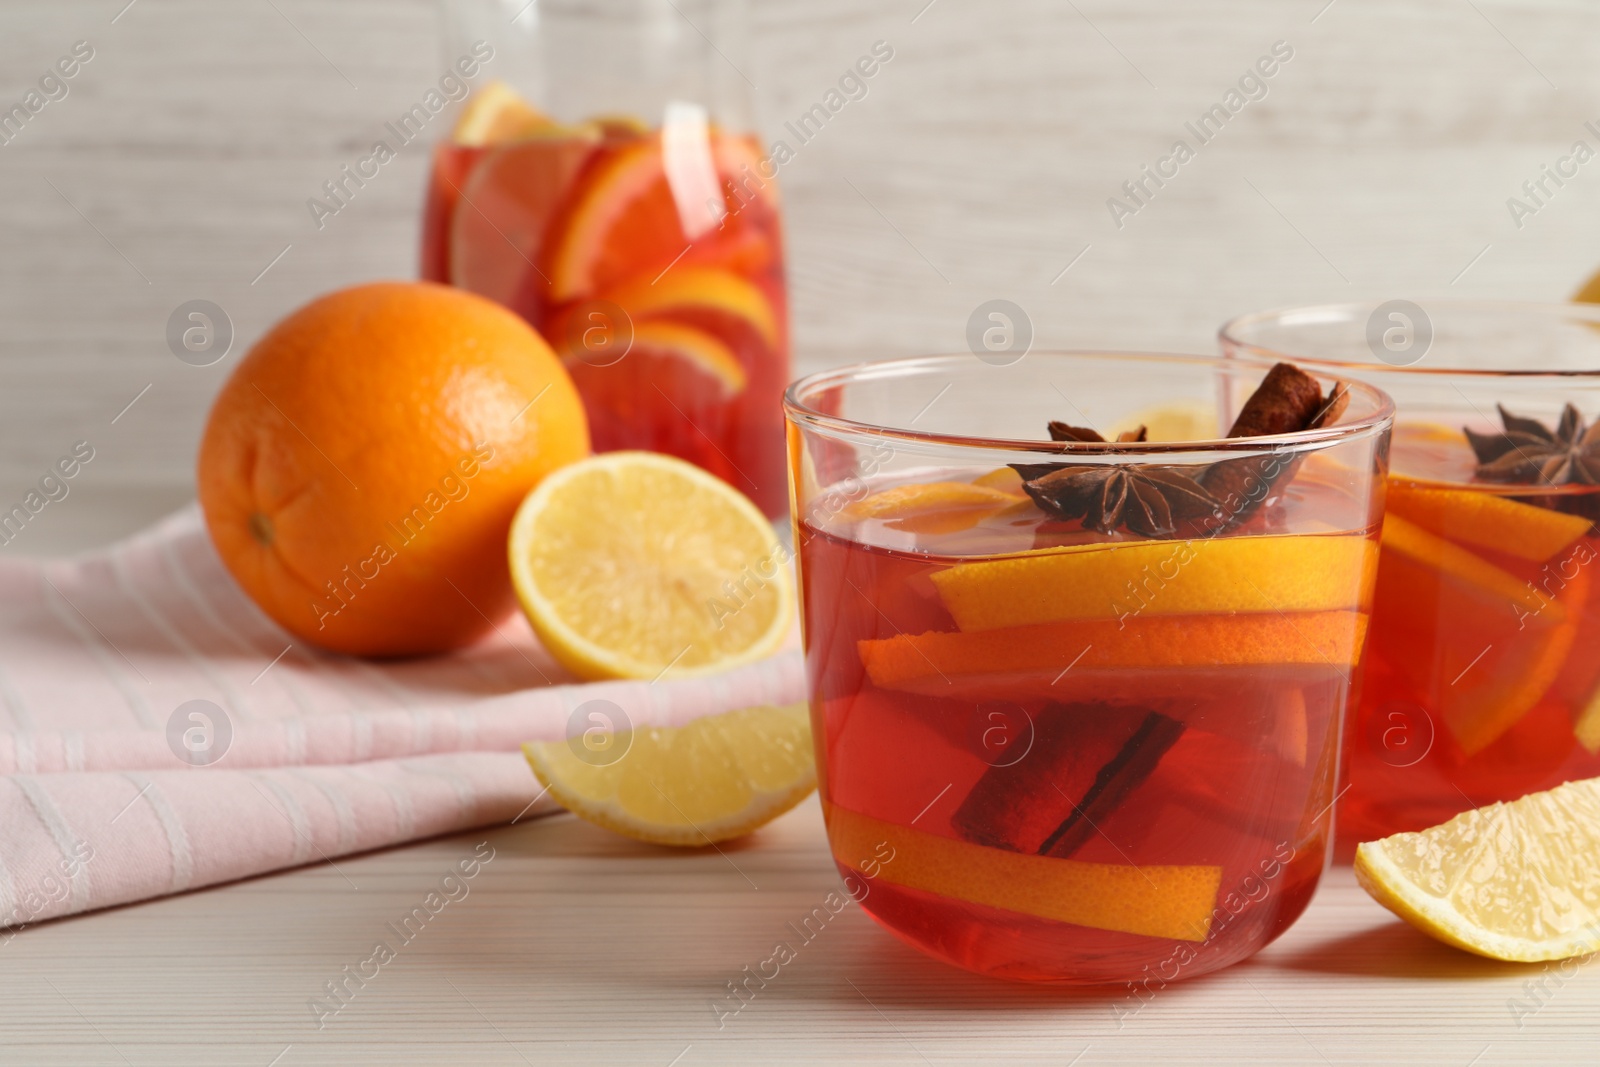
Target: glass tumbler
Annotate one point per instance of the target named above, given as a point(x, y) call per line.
point(1482, 680)
point(1078, 746)
point(604, 182)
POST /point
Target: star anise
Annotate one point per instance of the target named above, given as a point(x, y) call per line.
point(1528, 452)
point(1152, 500)
point(1147, 500)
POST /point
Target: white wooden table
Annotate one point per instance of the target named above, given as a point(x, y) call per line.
point(578, 946)
point(178, 168)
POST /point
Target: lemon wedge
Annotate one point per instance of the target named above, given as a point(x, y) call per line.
point(716, 778)
point(1517, 881)
point(640, 565)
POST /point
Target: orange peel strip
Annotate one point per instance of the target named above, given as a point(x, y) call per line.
point(1478, 723)
point(1002, 478)
point(1324, 637)
point(1154, 901)
point(1456, 563)
point(933, 507)
point(1112, 581)
point(1484, 520)
point(1587, 728)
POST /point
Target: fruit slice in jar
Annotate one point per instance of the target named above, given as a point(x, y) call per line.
point(624, 222)
point(496, 115)
point(505, 209)
point(1113, 581)
point(690, 290)
point(1484, 520)
point(669, 393)
point(694, 348)
point(1157, 901)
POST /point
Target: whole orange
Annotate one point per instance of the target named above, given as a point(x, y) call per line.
point(361, 466)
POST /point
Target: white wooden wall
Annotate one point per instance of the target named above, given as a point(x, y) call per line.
point(1379, 164)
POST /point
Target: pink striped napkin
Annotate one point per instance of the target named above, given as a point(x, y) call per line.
point(101, 800)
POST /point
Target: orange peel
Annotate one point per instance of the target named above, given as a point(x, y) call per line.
point(1485, 520)
point(1408, 539)
point(1173, 902)
point(1233, 574)
point(1319, 638)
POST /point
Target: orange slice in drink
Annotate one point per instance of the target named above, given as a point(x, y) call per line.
point(933, 507)
point(1484, 520)
point(496, 114)
point(506, 207)
point(1587, 728)
point(1002, 478)
point(1156, 901)
point(1113, 581)
point(1500, 587)
point(624, 222)
point(699, 289)
point(1510, 685)
point(1483, 644)
point(922, 662)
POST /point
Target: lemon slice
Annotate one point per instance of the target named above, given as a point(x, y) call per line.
point(1518, 881)
point(639, 565)
point(497, 114)
point(718, 777)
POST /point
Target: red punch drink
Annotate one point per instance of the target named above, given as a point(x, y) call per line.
point(1483, 673)
point(1482, 679)
point(1091, 702)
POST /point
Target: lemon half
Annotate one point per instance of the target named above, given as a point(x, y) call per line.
point(639, 565)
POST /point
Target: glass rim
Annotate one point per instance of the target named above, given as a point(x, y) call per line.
point(1228, 334)
point(798, 411)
